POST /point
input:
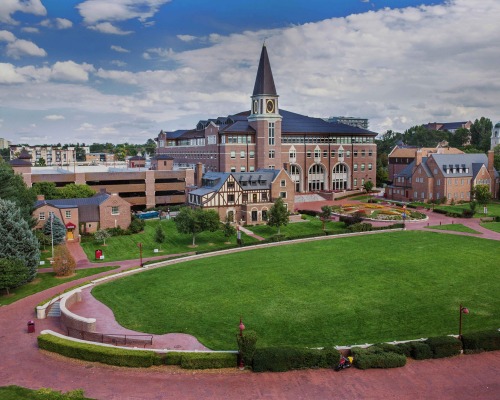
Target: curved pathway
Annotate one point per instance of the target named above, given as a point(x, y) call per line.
point(21, 363)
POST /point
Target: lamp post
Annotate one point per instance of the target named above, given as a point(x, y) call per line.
point(52, 234)
point(463, 310)
point(241, 365)
point(140, 251)
point(404, 216)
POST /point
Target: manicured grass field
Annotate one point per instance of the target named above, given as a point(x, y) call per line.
point(364, 289)
point(493, 209)
point(47, 280)
point(492, 226)
point(309, 226)
point(20, 393)
point(125, 247)
point(454, 228)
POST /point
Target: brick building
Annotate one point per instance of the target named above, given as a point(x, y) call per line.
point(317, 154)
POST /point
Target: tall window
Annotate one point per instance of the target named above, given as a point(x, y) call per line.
point(68, 214)
point(293, 153)
point(242, 154)
point(42, 216)
point(271, 133)
point(252, 154)
point(271, 153)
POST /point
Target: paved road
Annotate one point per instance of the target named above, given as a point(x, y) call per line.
point(21, 363)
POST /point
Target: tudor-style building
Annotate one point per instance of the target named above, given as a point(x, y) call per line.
point(318, 155)
point(243, 197)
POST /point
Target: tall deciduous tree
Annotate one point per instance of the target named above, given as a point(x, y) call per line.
point(481, 133)
point(13, 273)
point(482, 194)
point(55, 229)
point(102, 234)
point(12, 187)
point(17, 240)
point(192, 222)
point(278, 214)
point(76, 191)
point(48, 189)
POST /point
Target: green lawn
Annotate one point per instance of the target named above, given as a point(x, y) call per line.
point(493, 209)
point(454, 228)
point(20, 393)
point(492, 226)
point(47, 280)
point(310, 226)
point(125, 247)
point(365, 289)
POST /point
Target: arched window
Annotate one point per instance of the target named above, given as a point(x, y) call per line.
point(316, 178)
point(340, 177)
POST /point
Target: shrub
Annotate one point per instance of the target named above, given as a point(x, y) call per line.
point(208, 360)
point(467, 214)
point(420, 351)
point(118, 231)
point(361, 227)
point(280, 359)
point(350, 220)
point(481, 341)
point(453, 214)
point(405, 348)
point(312, 213)
point(64, 263)
point(440, 211)
point(377, 357)
point(173, 358)
point(136, 225)
point(277, 238)
point(372, 200)
point(246, 345)
point(417, 215)
point(444, 346)
point(94, 353)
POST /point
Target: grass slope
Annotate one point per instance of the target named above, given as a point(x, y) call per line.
point(389, 286)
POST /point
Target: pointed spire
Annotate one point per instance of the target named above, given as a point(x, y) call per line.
point(264, 83)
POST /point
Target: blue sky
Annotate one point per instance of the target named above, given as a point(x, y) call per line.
point(121, 70)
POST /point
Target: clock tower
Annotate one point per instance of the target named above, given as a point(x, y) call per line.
point(265, 118)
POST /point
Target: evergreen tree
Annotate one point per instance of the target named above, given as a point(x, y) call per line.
point(55, 230)
point(159, 234)
point(278, 214)
point(228, 229)
point(13, 273)
point(17, 239)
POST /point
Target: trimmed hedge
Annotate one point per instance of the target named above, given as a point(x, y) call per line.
point(312, 213)
point(350, 220)
point(377, 357)
point(444, 346)
point(361, 227)
point(420, 351)
point(173, 358)
point(208, 360)
point(481, 341)
point(280, 359)
point(94, 353)
point(247, 344)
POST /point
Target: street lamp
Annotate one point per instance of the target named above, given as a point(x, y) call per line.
point(52, 234)
point(404, 216)
point(140, 250)
point(241, 365)
point(463, 310)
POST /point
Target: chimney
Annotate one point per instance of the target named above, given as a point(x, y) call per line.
point(40, 197)
point(199, 173)
point(418, 157)
point(491, 163)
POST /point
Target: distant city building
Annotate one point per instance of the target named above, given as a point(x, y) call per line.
point(351, 121)
point(99, 158)
point(4, 143)
point(448, 126)
point(51, 155)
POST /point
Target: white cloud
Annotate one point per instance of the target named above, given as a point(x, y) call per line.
point(86, 126)
point(71, 71)
point(21, 47)
point(53, 117)
point(30, 29)
point(6, 36)
point(9, 7)
point(119, 49)
point(63, 23)
point(186, 38)
point(8, 74)
point(119, 63)
point(107, 27)
point(94, 11)
point(159, 52)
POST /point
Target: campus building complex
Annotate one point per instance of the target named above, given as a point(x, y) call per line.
point(51, 155)
point(317, 155)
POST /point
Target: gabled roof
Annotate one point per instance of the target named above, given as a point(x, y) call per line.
point(239, 127)
point(461, 162)
point(216, 179)
point(264, 82)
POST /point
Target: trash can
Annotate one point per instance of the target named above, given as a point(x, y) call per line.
point(98, 254)
point(31, 327)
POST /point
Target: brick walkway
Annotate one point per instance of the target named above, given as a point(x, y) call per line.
point(21, 363)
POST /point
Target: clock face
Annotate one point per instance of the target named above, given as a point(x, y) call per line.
point(270, 106)
point(255, 106)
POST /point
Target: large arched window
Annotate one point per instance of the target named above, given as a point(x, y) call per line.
point(295, 174)
point(316, 178)
point(340, 177)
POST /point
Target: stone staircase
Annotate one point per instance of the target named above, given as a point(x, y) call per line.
point(55, 310)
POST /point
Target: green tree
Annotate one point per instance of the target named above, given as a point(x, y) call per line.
point(13, 273)
point(480, 133)
point(482, 194)
point(228, 229)
point(48, 189)
point(17, 239)
point(192, 222)
point(460, 138)
point(76, 191)
point(278, 215)
point(496, 161)
point(55, 229)
point(102, 234)
point(12, 187)
point(422, 137)
point(150, 147)
point(43, 239)
point(368, 186)
point(159, 234)
point(325, 214)
point(41, 162)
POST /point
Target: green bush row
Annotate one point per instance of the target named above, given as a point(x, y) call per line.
point(481, 341)
point(280, 359)
point(444, 346)
point(378, 356)
point(208, 360)
point(102, 354)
